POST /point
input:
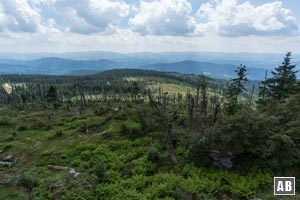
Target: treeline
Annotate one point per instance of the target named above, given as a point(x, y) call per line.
point(265, 136)
point(108, 84)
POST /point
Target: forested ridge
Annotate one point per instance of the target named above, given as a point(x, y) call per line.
point(143, 134)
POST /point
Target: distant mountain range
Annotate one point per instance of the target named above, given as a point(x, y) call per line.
point(55, 66)
point(216, 65)
point(223, 71)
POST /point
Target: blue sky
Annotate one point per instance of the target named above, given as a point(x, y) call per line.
point(150, 25)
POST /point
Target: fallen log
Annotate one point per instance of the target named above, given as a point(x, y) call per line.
point(8, 164)
point(70, 170)
point(54, 167)
point(8, 158)
point(5, 182)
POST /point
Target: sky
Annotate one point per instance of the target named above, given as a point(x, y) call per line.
point(150, 25)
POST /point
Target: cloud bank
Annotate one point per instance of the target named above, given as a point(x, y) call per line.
point(19, 16)
point(227, 18)
point(165, 17)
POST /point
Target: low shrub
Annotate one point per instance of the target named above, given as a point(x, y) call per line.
point(27, 181)
point(100, 111)
point(153, 155)
point(131, 132)
point(22, 127)
point(199, 153)
point(100, 170)
point(58, 133)
point(4, 121)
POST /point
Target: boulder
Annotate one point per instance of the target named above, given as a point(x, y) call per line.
point(220, 160)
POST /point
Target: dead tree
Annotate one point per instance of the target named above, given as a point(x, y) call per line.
point(165, 99)
point(169, 145)
point(159, 94)
point(179, 100)
point(263, 88)
point(216, 103)
point(151, 101)
point(54, 167)
point(191, 105)
point(144, 125)
point(203, 85)
point(251, 96)
point(197, 94)
point(174, 99)
point(6, 182)
point(7, 164)
point(81, 93)
point(217, 110)
point(82, 97)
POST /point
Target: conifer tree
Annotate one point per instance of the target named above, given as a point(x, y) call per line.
point(283, 83)
point(235, 89)
point(51, 94)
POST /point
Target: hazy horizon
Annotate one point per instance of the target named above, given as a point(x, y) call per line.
point(150, 52)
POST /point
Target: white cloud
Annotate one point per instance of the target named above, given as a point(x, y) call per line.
point(67, 25)
point(89, 16)
point(163, 17)
point(19, 16)
point(228, 18)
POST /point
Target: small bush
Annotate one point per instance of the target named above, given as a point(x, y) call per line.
point(131, 132)
point(80, 194)
point(5, 147)
point(22, 127)
point(100, 171)
point(100, 111)
point(120, 116)
point(153, 155)
point(199, 153)
point(58, 133)
point(27, 181)
point(38, 124)
point(4, 121)
point(125, 129)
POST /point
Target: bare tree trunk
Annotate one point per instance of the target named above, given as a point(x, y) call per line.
point(204, 98)
point(217, 109)
point(174, 99)
point(82, 97)
point(265, 86)
point(169, 145)
point(191, 105)
point(179, 100)
point(159, 94)
point(144, 125)
point(152, 102)
point(251, 95)
point(197, 97)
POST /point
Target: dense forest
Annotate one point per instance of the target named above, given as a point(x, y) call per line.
point(143, 134)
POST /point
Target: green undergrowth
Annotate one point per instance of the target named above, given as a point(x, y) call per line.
point(133, 162)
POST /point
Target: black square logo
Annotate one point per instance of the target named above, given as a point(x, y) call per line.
point(284, 185)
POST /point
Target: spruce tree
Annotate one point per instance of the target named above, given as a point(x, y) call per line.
point(283, 83)
point(235, 89)
point(52, 94)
